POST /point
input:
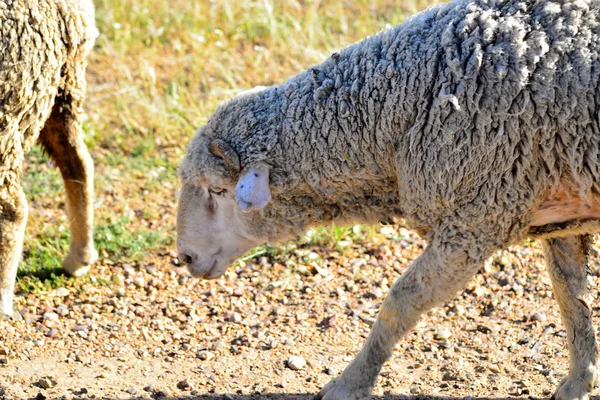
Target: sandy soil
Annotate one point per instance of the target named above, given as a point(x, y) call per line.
point(150, 331)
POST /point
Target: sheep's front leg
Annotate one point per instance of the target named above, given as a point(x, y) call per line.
point(566, 260)
point(13, 218)
point(61, 137)
point(433, 278)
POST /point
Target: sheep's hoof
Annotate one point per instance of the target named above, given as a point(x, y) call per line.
point(78, 263)
point(339, 389)
point(14, 316)
point(576, 389)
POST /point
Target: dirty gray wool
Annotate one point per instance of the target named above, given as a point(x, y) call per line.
point(465, 113)
point(477, 121)
point(38, 39)
point(44, 45)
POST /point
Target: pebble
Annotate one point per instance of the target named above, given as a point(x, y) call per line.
point(52, 333)
point(237, 318)
point(150, 388)
point(50, 316)
point(47, 382)
point(184, 385)
point(442, 334)
point(332, 370)
point(296, 363)
point(503, 282)
point(164, 392)
point(205, 355)
point(131, 391)
point(376, 292)
point(62, 292)
point(62, 310)
point(494, 368)
point(538, 316)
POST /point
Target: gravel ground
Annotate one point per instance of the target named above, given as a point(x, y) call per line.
point(282, 326)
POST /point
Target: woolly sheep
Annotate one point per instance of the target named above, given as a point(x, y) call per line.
point(476, 121)
point(42, 87)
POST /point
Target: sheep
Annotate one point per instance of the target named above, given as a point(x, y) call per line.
point(42, 87)
point(475, 121)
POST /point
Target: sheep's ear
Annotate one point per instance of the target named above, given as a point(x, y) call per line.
point(252, 190)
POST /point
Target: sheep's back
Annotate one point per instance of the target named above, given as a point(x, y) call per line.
point(40, 39)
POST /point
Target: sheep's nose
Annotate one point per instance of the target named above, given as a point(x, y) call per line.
point(187, 257)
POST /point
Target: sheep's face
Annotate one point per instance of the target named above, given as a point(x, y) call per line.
point(212, 230)
point(217, 221)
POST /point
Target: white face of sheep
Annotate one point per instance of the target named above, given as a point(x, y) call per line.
point(215, 218)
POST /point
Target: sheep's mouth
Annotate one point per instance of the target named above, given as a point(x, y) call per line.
point(205, 273)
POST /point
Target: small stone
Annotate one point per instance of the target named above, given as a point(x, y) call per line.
point(205, 355)
point(442, 334)
point(150, 269)
point(3, 360)
point(459, 310)
point(47, 382)
point(539, 316)
point(414, 390)
point(52, 333)
point(131, 391)
point(296, 363)
point(484, 329)
point(62, 310)
point(81, 327)
point(332, 321)
point(332, 370)
point(50, 316)
point(164, 392)
point(150, 388)
point(184, 385)
point(62, 292)
point(503, 282)
point(494, 368)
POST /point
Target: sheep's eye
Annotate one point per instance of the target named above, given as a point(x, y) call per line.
point(216, 190)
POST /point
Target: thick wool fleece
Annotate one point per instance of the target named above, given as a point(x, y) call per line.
point(39, 39)
point(460, 118)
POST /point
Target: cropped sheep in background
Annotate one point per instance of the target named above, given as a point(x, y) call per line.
point(477, 121)
point(42, 86)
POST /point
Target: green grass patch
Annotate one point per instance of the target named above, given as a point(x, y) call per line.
point(116, 241)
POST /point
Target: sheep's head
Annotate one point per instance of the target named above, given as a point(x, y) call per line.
point(218, 206)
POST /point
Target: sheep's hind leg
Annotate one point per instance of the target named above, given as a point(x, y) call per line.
point(566, 260)
point(61, 137)
point(13, 218)
point(434, 277)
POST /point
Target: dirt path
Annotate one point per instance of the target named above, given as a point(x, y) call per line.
point(149, 331)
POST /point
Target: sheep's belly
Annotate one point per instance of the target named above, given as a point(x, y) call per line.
point(566, 204)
